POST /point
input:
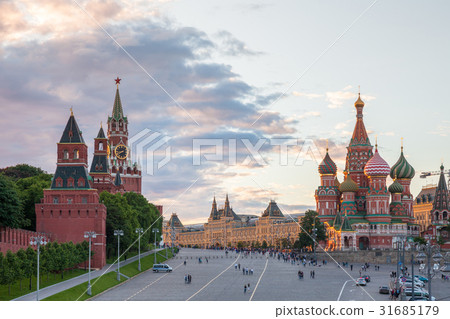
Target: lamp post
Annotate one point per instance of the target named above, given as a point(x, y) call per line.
point(427, 252)
point(155, 230)
point(38, 241)
point(139, 231)
point(314, 236)
point(173, 237)
point(118, 233)
point(90, 235)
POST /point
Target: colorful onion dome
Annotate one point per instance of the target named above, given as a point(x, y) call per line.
point(377, 166)
point(359, 102)
point(402, 169)
point(336, 182)
point(348, 185)
point(327, 166)
point(395, 188)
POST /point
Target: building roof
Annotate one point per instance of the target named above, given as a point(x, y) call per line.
point(72, 133)
point(395, 188)
point(348, 185)
point(441, 199)
point(346, 226)
point(327, 166)
point(402, 169)
point(100, 164)
point(426, 195)
point(272, 210)
point(359, 136)
point(174, 221)
point(377, 166)
point(101, 133)
point(76, 173)
point(117, 112)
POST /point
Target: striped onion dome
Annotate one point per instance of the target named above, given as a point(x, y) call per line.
point(377, 166)
point(402, 169)
point(348, 185)
point(327, 166)
point(395, 188)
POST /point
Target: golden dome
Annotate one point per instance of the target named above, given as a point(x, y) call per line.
point(359, 102)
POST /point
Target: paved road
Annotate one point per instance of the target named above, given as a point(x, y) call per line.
point(54, 289)
point(272, 280)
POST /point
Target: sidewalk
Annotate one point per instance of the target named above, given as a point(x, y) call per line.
point(54, 289)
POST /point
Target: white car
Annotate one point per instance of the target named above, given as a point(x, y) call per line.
point(162, 268)
point(360, 282)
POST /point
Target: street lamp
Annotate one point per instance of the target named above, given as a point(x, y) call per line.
point(155, 230)
point(38, 241)
point(139, 231)
point(429, 251)
point(90, 235)
point(314, 236)
point(118, 233)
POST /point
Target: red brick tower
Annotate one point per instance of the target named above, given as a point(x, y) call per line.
point(327, 194)
point(71, 206)
point(120, 156)
point(100, 172)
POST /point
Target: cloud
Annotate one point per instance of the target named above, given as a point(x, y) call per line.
point(230, 45)
point(309, 96)
point(337, 98)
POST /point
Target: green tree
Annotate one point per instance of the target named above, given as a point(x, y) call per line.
point(420, 240)
point(10, 271)
point(21, 171)
point(30, 191)
point(30, 264)
point(11, 214)
point(264, 245)
point(308, 223)
point(21, 265)
point(240, 244)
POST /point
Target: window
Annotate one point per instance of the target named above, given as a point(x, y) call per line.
point(84, 200)
point(66, 154)
point(75, 154)
point(55, 200)
point(81, 182)
point(69, 201)
point(100, 146)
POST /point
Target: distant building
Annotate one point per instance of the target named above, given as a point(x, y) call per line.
point(423, 205)
point(225, 228)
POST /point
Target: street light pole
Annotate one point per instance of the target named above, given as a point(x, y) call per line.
point(155, 230)
point(314, 236)
point(118, 233)
point(429, 251)
point(139, 231)
point(38, 241)
point(90, 235)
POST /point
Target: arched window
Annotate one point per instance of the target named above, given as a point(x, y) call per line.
point(66, 154)
point(81, 182)
point(100, 146)
point(75, 154)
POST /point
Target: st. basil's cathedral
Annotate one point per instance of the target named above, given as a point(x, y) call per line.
point(362, 212)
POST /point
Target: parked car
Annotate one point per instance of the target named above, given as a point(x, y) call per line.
point(360, 282)
point(366, 278)
point(162, 268)
point(417, 292)
point(421, 278)
point(417, 283)
point(384, 290)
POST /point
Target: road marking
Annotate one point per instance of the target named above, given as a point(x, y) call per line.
point(342, 290)
point(150, 284)
point(232, 264)
point(254, 290)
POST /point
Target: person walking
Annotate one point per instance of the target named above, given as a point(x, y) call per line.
point(185, 278)
point(184, 263)
point(351, 267)
point(245, 289)
point(239, 265)
point(243, 271)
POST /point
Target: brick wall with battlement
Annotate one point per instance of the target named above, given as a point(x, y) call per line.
point(14, 239)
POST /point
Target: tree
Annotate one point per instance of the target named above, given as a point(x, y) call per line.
point(420, 240)
point(10, 270)
point(11, 214)
point(240, 244)
point(30, 191)
point(30, 264)
point(308, 222)
point(21, 171)
point(21, 265)
point(264, 245)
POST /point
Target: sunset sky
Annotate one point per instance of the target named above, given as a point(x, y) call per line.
point(205, 69)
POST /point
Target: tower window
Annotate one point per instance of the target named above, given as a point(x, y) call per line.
point(75, 154)
point(66, 154)
point(81, 182)
point(100, 146)
point(84, 200)
point(69, 201)
point(55, 200)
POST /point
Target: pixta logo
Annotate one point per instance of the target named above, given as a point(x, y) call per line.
point(151, 148)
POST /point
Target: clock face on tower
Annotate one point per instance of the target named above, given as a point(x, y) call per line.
point(121, 151)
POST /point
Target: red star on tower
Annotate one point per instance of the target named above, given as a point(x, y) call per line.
point(117, 80)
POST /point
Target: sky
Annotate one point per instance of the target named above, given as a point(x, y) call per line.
point(240, 76)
